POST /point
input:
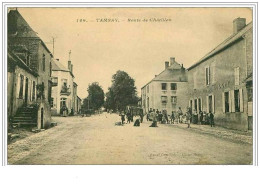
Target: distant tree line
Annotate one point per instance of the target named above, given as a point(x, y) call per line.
point(120, 94)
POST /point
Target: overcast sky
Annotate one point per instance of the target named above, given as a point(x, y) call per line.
point(99, 49)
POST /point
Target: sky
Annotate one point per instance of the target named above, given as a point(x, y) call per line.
point(99, 49)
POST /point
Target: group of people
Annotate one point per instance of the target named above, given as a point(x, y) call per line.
point(130, 118)
point(174, 118)
point(179, 117)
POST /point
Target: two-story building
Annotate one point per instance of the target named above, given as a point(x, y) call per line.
point(31, 78)
point(168, 90)
point(64, 90)
point(221, 82)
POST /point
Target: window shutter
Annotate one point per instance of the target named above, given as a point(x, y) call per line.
point(209, 75)
point(213, 104)
point(18, 86)
point(223, 102)
point(232, 101)
point(207, 97)
point(229, 101)
point(241, 100)
point(206, 75)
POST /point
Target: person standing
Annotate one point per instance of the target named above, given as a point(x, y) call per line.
point(153, 116)
point(211, 119)
point(122, 118)
point(172, 118)
point(188, 118)
point(180, 115)
point(201, 117)
point(128, 116)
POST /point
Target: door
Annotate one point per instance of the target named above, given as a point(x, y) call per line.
point(26, 91)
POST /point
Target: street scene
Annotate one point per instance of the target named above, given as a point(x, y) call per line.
point(130, 86)
point(96, 140)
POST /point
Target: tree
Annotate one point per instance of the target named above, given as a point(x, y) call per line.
point(122, 92)
point(95, 98)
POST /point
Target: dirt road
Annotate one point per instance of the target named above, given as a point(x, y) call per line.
point(96, 140)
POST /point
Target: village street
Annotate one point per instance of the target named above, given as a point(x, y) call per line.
point(96, 140)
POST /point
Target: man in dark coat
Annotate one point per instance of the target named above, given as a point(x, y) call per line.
point(211, 119)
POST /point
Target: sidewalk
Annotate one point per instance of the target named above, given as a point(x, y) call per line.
point(220, 132)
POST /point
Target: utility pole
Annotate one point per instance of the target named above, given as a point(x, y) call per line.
point(53, 42)
point(69, 54)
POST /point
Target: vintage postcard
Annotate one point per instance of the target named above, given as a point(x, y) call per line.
point(130, 85)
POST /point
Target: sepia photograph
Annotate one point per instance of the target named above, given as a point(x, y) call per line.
point(130, 85)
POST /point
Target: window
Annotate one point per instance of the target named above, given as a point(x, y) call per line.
point(173, 86)
point(174, 100)
point(21, 86)
point(237, 100)
point(147, 88)
point(210, 104)
point(190, 105)
point(196, 105)
point(43, 62)
point(62, 102)
point(226, 98)
point(52, 102)
point(207, 75)
point(164, 86)
point(236, 70)
point(164, 99)
point(200, 104)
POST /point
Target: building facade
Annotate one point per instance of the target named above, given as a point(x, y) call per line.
point(168, 90)
point(31, 92)
point(64, 90)
point(79, 103)
point(221, 82)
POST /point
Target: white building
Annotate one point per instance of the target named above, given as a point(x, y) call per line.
point(63, 92)
point(166, 91)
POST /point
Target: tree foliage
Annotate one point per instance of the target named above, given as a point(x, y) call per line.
point(95, 98)
point(122, 92)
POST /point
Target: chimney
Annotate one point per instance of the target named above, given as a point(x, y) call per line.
point(172, 60)
point(166, 64)
point(71, 68)
point(58, 59)
point(238, 24)
point(69, 65)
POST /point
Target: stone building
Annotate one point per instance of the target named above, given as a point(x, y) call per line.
point(64, 90)
point(221, 82)
point(30, 84)
point(168, 90)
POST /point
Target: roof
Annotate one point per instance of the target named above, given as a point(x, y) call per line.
point(174, 73)
point(229, 41)
point(14, 59)
point(23, 29)
point(57, 66)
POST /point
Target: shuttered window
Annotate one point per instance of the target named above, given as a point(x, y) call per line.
point(207, 75)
